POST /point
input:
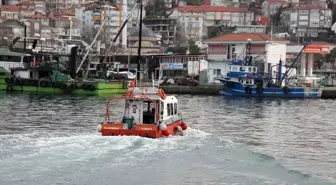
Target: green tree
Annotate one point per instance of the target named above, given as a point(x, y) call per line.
point(193, 48)
point(194, 2)
point(156, 8)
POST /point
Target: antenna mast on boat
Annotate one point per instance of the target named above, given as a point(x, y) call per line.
point(290, 68)
point(139, 47)
point(114, 40)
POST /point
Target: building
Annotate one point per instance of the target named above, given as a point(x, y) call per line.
point(266, 51)
point(166, 27)
point(194, 20)
point(149, 42)
point(307, 20)
point(11, 29)
point(9, 11)
point(92, 16)
point(232, 3)
point(270, 7)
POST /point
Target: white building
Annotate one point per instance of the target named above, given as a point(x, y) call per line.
point(194, 20)
point(270, 7)
point(307, 20)
point(266, 51)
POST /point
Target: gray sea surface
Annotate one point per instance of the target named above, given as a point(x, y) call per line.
point(52, 139)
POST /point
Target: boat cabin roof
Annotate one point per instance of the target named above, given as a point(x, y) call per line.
point(150, 94)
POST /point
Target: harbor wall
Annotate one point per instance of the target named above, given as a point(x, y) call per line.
point(199, 90)
point(327, 92)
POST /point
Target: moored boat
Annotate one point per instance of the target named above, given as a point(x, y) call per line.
point(244, 79)
point(148, 112)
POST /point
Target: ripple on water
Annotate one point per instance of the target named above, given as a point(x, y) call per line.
point(294, 138)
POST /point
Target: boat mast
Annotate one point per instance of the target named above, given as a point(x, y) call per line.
point(139, 47)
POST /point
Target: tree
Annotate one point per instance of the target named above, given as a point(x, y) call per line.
point(193, 48)
point(276, 18)
point(156, 8)
point(194, 2)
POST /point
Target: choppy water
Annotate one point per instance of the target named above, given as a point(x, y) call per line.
point(52, 140)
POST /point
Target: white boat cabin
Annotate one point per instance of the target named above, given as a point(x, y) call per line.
point(242, 68)
point(149, 108)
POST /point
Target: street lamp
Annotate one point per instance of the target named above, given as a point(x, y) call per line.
point(42, 40)
point(249, 46)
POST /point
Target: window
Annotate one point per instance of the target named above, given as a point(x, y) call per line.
point(168, 109)
point(254, 70)
point(242, 68)
point(250, 69)
point(171, 109)
point(175, 108)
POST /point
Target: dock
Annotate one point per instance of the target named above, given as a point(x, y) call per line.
point(196, 90)
point(327, 92)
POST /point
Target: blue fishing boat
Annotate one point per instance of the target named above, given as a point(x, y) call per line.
point(244, 79)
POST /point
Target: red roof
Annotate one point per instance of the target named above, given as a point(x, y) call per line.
point(242, 37)
point(313, 43)
point(307, 7)
point(276, 1)
point(10, 8)
point(208, 8)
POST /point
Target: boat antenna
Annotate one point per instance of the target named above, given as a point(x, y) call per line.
point(291, 66)
point(139, 47)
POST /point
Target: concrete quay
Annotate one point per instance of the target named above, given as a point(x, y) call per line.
point(327, 92)
point(197, 90)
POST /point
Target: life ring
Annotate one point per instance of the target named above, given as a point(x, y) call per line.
point(162, 94)
point(36, 64)
point(250, 75)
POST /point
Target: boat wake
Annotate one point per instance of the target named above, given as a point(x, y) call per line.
point(198, 157)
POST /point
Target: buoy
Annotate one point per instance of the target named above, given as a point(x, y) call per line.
point(178, 128)
point(99, 127)
point(162, 126)
point(166, 133)
point(184, 126)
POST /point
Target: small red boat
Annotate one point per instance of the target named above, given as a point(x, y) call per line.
point(148, 112)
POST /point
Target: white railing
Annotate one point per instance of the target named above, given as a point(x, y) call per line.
point(8, 65)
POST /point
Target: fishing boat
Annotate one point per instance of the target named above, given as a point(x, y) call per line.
point(148, 112)
point(45, 73)
point(244, 79)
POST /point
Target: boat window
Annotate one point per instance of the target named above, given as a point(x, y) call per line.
point(254, 69)
point(171, 109)
point(145, 107)
point(250, 69)
point(230, 68)
point(168, 109)
point(161, 109)
point(175, 108)
point(242, 68)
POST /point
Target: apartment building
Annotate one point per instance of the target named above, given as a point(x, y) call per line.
point(232, 3)
point(270, 7)
point(166, 27)
point(195, 20)
point(93, 15)
point(9, 11)
point(307, 20)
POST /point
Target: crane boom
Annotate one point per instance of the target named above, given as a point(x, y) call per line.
point(113, 41)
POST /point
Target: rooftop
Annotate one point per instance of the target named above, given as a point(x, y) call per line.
point(209, 8)
point(243, 37)
point(307, 7)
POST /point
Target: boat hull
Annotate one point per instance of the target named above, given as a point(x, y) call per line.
point(142, 130)
point(237, 89)
point(99, 89)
